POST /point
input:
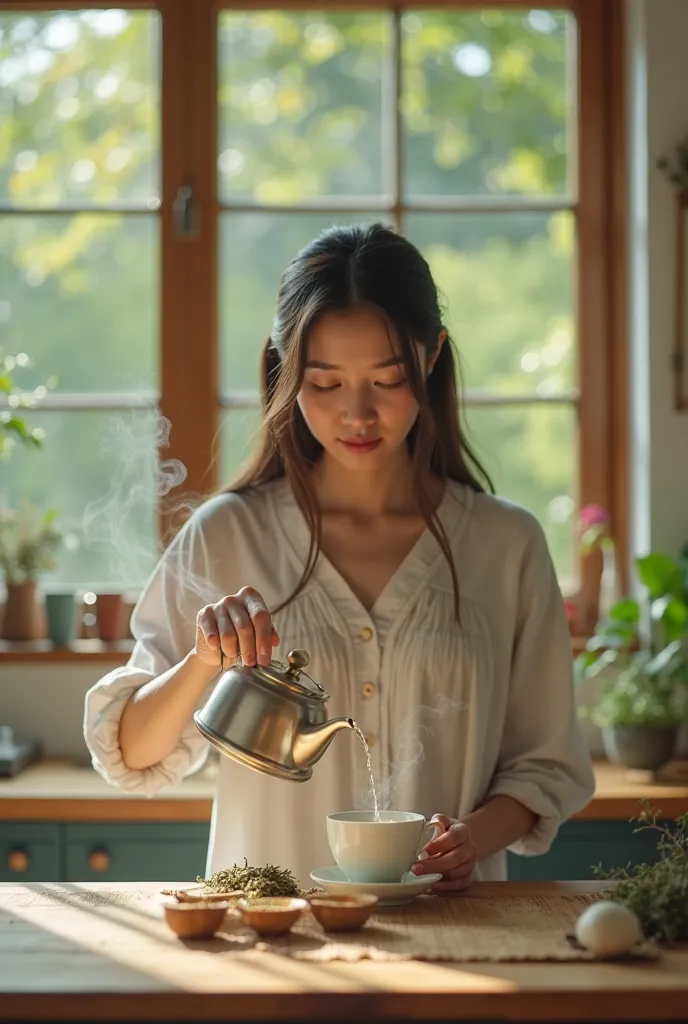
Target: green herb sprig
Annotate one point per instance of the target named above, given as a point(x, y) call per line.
point(253, 881)
point(657, 893)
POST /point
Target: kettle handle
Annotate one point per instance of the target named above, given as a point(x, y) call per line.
point(225, 662)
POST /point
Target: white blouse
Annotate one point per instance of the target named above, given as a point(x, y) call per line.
point(453, 715)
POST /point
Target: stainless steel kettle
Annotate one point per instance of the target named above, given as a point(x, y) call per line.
point(270, 718)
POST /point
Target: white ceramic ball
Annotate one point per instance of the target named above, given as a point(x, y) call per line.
point(608, 929)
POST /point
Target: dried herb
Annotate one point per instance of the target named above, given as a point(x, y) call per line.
point(265, 881)
point(657, 893)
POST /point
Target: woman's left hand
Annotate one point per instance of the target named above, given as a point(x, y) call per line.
point(453, 853)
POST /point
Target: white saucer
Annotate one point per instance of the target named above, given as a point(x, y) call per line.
point(390, 894)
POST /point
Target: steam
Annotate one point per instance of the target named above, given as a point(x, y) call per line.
point(416, 732)
point(118, 523)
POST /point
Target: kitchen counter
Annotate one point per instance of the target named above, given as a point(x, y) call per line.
point(112, 957)
point(51, 791)
point(55, 791)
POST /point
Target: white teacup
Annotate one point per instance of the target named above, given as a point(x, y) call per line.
point(370, 850)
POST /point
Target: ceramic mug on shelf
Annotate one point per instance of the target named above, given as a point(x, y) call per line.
point(61, 613)
point(367, 849)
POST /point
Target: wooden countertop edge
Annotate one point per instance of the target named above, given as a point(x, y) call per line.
point(623, 808)
point(617, 799)
point(55, 810)
point(564, 1003)
point(604, 808)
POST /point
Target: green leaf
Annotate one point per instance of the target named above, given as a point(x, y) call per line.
point(672, 612)
point(671, 657)
point(660, 574)
point(598, 666)
point(582, 664)
point(626, 610)
point(603, 641)
point(18, 426)
point(611, 629)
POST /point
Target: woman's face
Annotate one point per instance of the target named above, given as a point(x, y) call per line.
point(355, 397)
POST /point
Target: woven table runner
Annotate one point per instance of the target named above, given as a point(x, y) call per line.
point(454, 929)
point(460, 928)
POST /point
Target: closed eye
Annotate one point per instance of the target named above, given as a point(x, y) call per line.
point(378, 384)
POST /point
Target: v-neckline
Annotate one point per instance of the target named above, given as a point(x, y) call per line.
point(408, 560)
point(403, 582)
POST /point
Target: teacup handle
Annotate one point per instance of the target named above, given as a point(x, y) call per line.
point(438, 829)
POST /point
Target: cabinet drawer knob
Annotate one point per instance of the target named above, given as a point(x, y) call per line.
point(18, 861)
point(99, 860)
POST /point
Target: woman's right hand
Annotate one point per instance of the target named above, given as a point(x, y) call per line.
point(240, 625)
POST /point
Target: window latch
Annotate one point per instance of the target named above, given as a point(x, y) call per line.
point(185, 212)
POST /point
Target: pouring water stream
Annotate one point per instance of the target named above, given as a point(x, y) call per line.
point(369, 767)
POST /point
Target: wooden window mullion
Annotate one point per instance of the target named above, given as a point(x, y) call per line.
point(188, 284)
point(396, 127)
point(598, 269)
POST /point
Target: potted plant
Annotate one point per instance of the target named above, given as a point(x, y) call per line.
point(28, 542)
point(642, 677)
point(27, 538)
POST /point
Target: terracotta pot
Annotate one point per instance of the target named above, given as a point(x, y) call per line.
point(22, 617)
point(109, 611)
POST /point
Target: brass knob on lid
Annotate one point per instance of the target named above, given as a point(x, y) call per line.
point(297, 660)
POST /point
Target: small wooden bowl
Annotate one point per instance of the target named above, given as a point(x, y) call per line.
point(271, 915)
point(342, 913)
point(195, 920)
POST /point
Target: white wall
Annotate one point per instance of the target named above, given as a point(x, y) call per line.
point(658, 54)
point(49, 702)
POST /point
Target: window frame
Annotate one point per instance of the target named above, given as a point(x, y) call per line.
point(189, 343)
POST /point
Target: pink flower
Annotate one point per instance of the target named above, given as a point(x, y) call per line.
point(593, 515)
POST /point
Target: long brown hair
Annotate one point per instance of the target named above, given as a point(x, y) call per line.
point(346, 268)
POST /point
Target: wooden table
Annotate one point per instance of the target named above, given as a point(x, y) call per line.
point(97, 963)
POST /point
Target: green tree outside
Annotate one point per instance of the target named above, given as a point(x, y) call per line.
point(303, 114)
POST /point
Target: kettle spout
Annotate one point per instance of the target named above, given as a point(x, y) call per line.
point(312, 741)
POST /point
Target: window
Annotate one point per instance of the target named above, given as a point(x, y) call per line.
point(80, 177)
point(161, 164)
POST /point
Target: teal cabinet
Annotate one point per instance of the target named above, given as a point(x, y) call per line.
point(176, 851)
point(102, 851)
point(135, 851)
point(580, 845)
point(30, 851)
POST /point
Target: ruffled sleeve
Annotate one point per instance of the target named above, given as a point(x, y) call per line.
point(163, 626)
point(543, 761)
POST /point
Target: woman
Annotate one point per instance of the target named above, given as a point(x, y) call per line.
point(361, 532)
